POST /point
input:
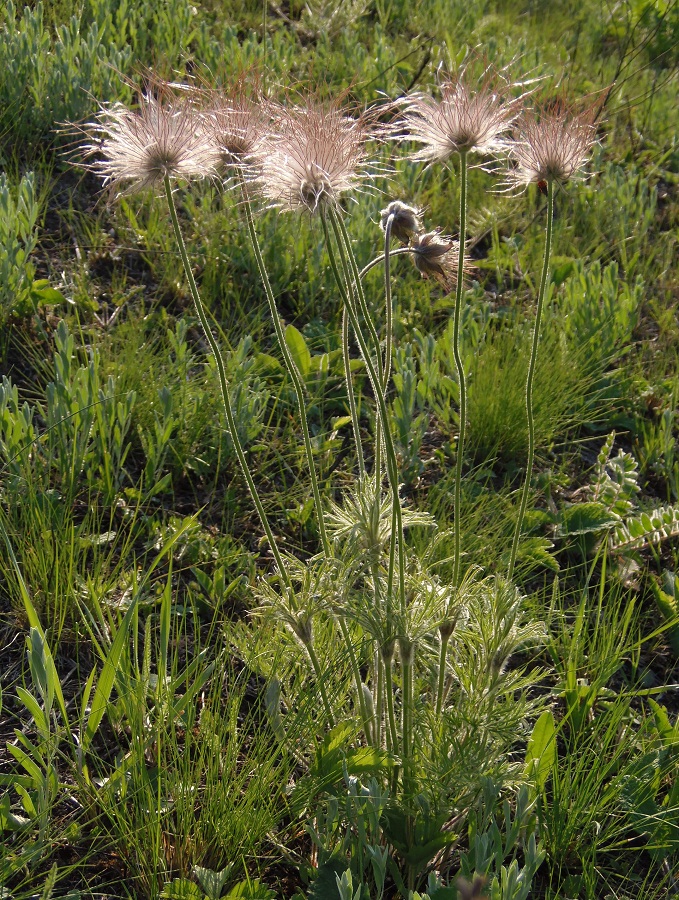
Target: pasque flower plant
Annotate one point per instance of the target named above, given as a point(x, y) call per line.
point(395, 614)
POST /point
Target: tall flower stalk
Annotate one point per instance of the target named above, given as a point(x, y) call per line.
point(530, 378)
point(462, 121)
point(552, 147)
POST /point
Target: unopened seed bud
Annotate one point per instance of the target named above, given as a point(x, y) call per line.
point(447, 628)
point(387, 651)
point(405, 223)
point(303, 629)
point(407, 650)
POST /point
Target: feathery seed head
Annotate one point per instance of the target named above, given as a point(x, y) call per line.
point(314, 155)
point(165, 136)
point(405, 223)
point(552, 144)
point(238, 118)
point(436, 255)
point(464, 120)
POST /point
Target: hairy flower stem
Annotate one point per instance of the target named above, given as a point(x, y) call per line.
point(530, 377)
point(399, 251)
point(200, 309)
point(350, 394)
point(460, 371)
point(391, 715)
point(292, 370)
point(299, 390)
point(320, 681)
point(392, 466)
point(386, 364)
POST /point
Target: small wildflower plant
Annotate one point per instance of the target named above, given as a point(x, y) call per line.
point(426, 653)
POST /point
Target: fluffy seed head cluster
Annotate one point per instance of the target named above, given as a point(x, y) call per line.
point(552, 144)
point(314, 155)
point(463, 120)
point(165, 136)
point(405, 223)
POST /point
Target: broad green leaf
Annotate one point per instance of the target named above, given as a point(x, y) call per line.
point(213, 882)
point(298, 349)
point(250, 890)
point(584, 518)
point(182, 889)
point(541, 750)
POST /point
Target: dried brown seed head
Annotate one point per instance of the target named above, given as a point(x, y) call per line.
point(436, 255)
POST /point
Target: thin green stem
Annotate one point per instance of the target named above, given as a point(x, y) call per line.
point(344, 243)
point(386, 364)
point(399, 251)
point(392, 466)
point(358, 682)
point(350, 394)
point(223, 383)
point(530, 377)
point(462, 381)
point(292, 369)
point(391, 715)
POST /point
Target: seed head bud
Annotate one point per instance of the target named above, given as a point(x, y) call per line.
point(302, 628)
point(406, 222)
point(387, 651)
point(436, 255)
point(447, 628)
point(407, 650)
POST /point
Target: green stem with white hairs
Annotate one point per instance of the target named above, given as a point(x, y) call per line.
point(386, 364)
point(223, 383)
point(531, 376)
point(462, 381)
point(376, 381)
point(299, 391)
point(291, 367)
point(356, 428)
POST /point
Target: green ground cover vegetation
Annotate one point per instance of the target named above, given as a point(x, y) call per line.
point(169, 727)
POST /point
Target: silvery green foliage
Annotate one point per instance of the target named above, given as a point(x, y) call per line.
point(17, 433)
point(615, 486)
point(19, 210)
point(350, 828)
point(599, 310)
point(615, 481)
point(48, 77)
point(490, 849)
point(87, 420)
